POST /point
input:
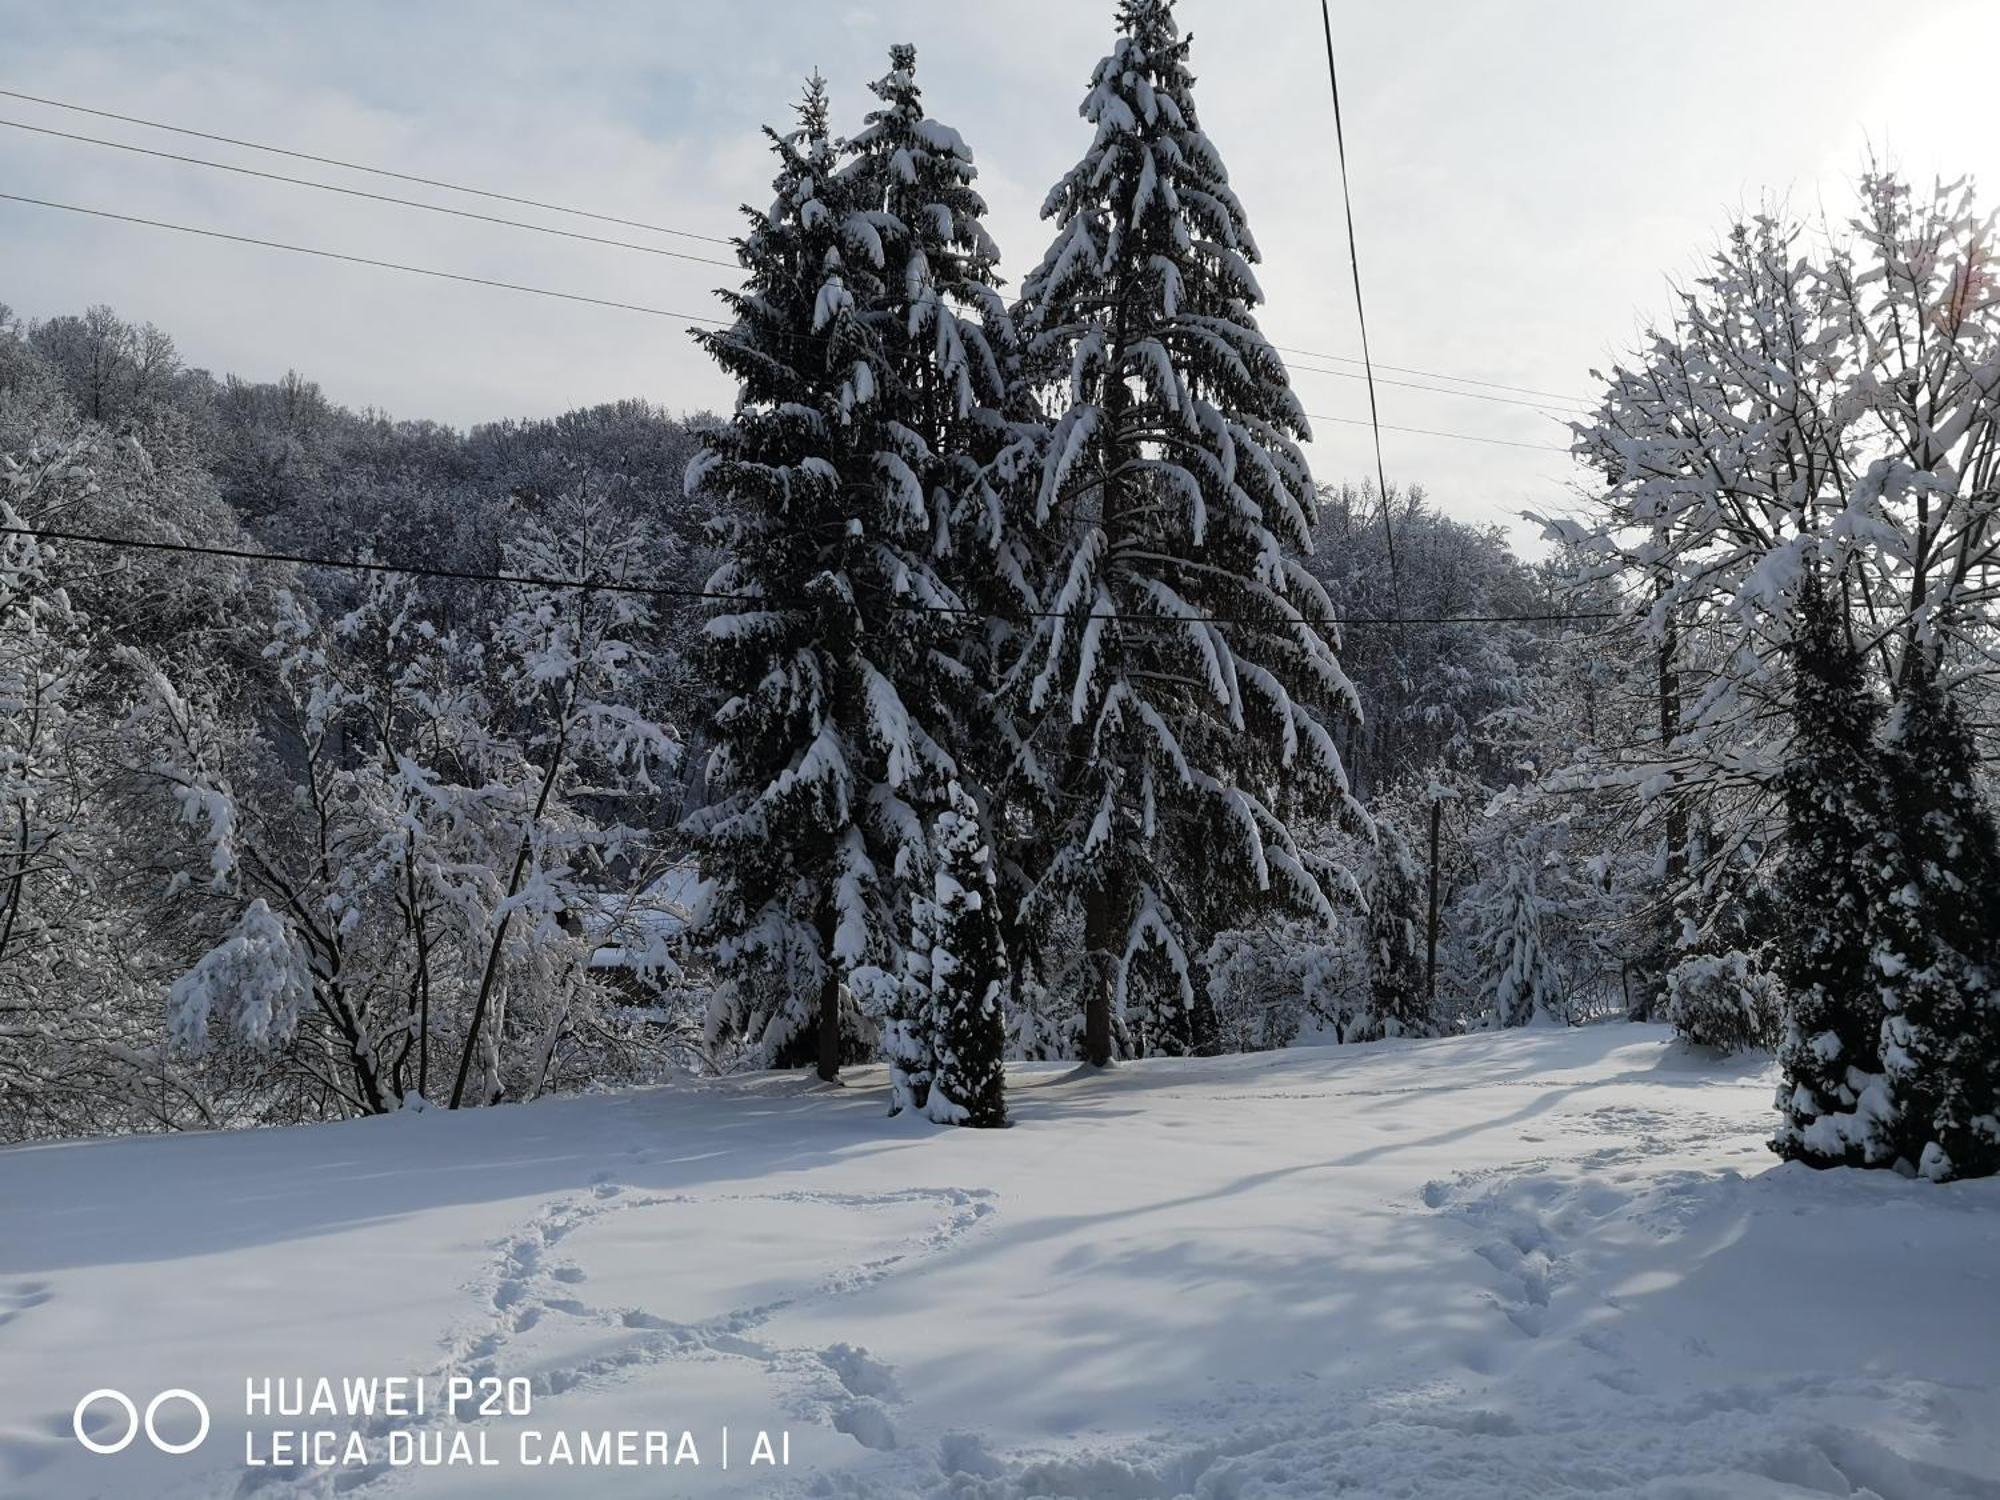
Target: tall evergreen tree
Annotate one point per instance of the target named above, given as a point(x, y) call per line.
point(811, 830)
point(1842, 948)
point(950, 375)
point(1176, 702)
point(1941, 1047)
point(966, 421)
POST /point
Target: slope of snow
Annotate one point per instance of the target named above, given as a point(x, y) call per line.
point(1540, 1264)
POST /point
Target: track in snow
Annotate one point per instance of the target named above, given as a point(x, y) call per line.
point(528, 1282)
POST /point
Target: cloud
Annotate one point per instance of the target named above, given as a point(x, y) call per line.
point(1524, 177)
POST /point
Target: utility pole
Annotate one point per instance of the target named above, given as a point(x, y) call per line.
point(1438, 794)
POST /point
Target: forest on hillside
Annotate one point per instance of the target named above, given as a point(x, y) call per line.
point(113, 435)
point(996, 680)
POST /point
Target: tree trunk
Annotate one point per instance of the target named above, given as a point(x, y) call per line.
point(492, 970)
point(829, 1003)
point(1670, 728)
point(1677, 818)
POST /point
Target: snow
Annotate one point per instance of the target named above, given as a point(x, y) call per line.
point(256, 977)
point(1545, 1263)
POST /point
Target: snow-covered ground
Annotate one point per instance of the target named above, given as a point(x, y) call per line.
point(1538, 1264)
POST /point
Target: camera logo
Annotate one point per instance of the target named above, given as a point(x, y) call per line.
point(133, 1421)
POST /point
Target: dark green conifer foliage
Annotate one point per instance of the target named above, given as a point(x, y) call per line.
point(1942, 1046)
point(966, 969)
point(1398, 1004)
point(1844, 947)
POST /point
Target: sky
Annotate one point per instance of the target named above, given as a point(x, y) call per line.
point(1527, 178)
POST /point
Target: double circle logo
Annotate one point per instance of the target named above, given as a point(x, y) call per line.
point(134, 1422)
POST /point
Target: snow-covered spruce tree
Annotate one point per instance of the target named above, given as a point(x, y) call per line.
point(1941, 1051)
point(1397, 1002)
point(960, 965)
point(954, 404)
point(922, 273)
point(1523, 982)
point(1842, 946)
point(948, 397)
point(1178, 697)
point(1720, 988)
point(816, 823)
point(1267, 983)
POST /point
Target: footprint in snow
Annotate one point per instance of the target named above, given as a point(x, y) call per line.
point(21, 1297)
point(867, 1422)
point(860, 1372)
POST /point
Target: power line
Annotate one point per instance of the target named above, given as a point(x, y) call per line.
point(595, 239)
point(1349, 359)
point(364, 260)
point(570, 234)
point(349, 166)
point(618, 586)
point(538, 291)
point(1360, 307)
point(1438, 432)
point(1410, 385)
point(348, 192)
point(630, 223)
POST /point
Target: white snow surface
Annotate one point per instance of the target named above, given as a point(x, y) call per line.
point(1536, 1264)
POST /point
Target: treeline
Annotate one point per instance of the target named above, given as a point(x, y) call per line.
point(976, 688)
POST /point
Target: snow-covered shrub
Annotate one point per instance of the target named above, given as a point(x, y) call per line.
point(254, 981)
point(964, 973)
point(1044, 1009)
point(1724, 1000)
point(1269, 984)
